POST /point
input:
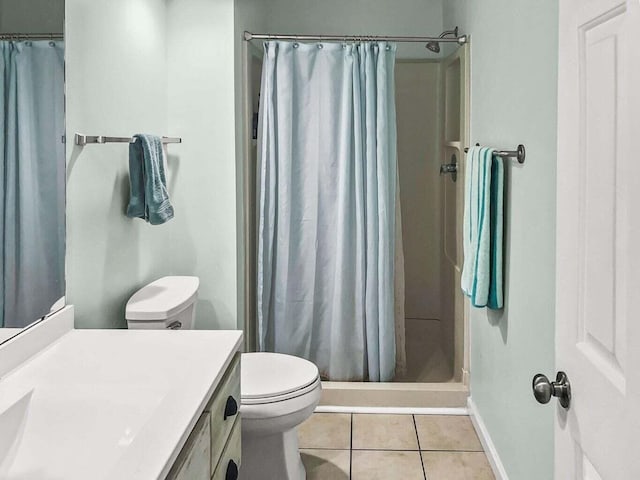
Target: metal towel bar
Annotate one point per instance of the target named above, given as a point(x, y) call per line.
point(519, 153)
point(83, 140)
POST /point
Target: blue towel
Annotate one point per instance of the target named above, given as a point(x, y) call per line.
point(149, 198)
point(483, 228)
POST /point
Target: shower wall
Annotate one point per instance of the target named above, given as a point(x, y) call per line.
point(429, 293)
point(31, 16)
point(357, 17)
point(418, 122)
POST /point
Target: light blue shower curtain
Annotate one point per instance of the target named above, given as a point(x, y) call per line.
point(32, 176)
point(327, 153)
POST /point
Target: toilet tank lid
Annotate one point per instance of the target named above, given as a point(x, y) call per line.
point(163, 298)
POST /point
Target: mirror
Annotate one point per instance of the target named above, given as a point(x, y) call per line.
point(32, 162)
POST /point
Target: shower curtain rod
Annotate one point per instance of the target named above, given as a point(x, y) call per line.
point(248, 36)
point(31, 36)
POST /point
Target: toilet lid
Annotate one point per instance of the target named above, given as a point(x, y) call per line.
point(266, 375)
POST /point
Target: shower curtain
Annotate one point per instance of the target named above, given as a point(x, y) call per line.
point(326, 234)
point(32, 179)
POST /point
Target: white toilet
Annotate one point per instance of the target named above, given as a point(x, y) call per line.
point(278, 391)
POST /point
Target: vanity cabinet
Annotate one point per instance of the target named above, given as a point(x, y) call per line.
point(213, 448)
point(193, 461)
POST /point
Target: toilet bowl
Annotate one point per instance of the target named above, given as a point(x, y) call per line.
point(278, 391)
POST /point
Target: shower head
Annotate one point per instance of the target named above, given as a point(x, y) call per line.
point(434, 46)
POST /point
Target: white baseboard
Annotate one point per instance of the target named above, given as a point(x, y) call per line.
point(488, 445)
point(392, 410)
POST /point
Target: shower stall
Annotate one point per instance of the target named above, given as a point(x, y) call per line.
point(431, 99)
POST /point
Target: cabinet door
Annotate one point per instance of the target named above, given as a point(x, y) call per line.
point(224, 409)
point(229, 463)
point(194, 461)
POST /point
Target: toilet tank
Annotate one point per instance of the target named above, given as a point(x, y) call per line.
point(167, 303)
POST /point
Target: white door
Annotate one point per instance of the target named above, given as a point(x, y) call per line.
point(598, 240)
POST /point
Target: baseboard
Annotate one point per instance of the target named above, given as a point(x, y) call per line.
point(391, 410)
point(488, 445)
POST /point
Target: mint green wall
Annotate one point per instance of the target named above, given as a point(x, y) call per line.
point(513, 100)
point(164, 67)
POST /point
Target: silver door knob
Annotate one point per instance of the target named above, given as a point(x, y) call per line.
point(543, 390)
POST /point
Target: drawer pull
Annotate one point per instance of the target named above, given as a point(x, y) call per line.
point(231, 408)
point(232, 471)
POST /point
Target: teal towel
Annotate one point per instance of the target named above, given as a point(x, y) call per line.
point(483, 228)
point(149, 197)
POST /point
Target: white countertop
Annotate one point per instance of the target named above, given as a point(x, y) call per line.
point(111, 404)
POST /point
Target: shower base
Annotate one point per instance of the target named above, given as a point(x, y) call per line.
point(394, 394)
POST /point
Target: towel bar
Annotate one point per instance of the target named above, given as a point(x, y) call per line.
point(83, 140)
point(519, 153)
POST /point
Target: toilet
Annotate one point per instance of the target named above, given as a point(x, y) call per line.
point(278, 392)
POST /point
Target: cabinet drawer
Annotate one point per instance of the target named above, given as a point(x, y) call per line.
point(230, 459)
point(193, 463)
point(224, 409)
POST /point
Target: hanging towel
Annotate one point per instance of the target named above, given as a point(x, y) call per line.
point(483, 228)
point(149, 198)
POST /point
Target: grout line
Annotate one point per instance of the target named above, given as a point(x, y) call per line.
point(415, 429)
point(351, 447)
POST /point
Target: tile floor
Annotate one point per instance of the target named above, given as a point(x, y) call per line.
point(343, 446)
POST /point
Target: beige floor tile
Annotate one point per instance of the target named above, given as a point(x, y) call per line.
point(447, 432)
point(386, 465)
point(326, 464)
point(384, 432)
point(326, 430)
point(457, 466)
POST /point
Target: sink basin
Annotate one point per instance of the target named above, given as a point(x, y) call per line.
point(40, 428)
point(12, 420)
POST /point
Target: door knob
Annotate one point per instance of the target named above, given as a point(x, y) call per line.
point(543, 390)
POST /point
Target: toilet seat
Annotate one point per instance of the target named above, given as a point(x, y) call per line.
point(281, 398)
point(275, 377)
